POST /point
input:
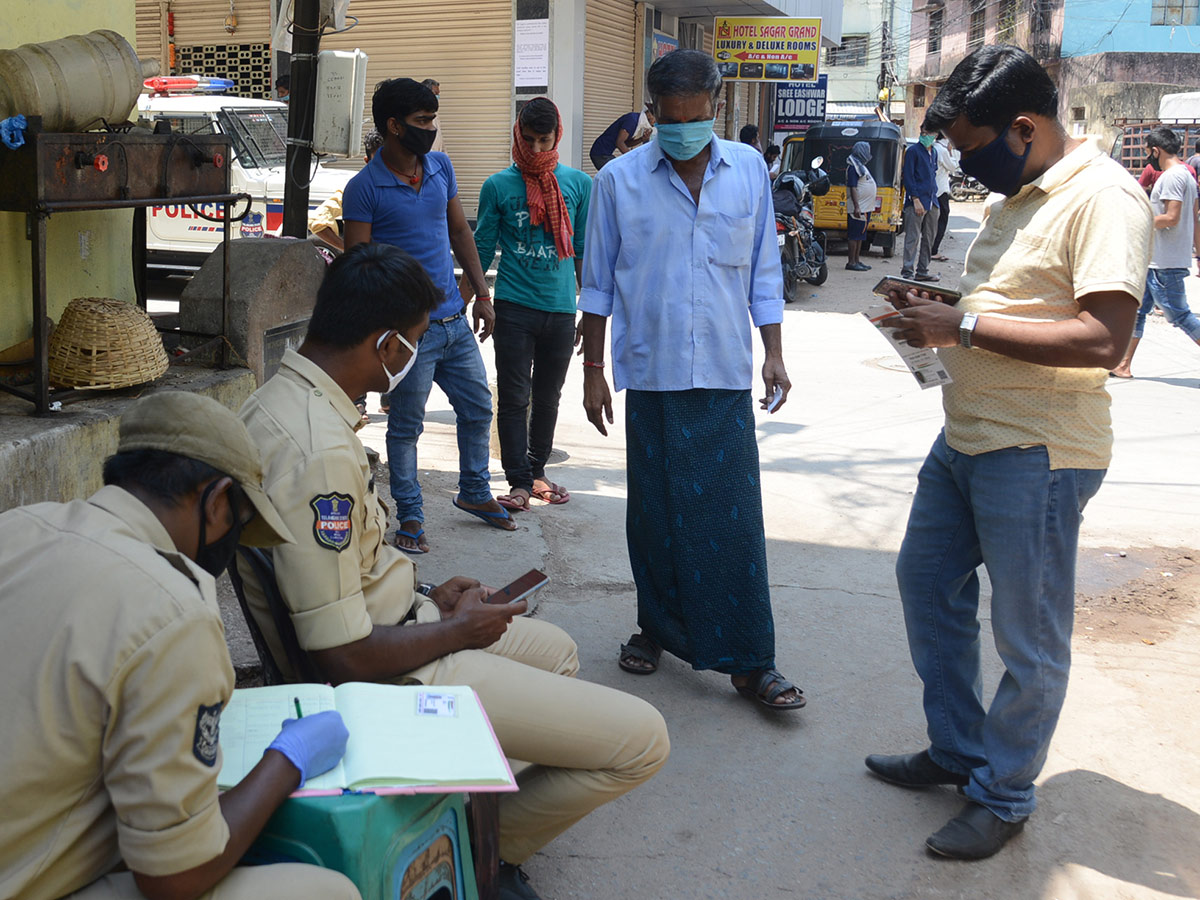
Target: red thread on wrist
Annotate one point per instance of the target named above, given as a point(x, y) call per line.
point(589, 364)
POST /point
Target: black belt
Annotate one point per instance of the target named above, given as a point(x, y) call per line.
point(457, 315)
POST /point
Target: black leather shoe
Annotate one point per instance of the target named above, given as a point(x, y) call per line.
point(913, 770)
point(513, 884)
point(975, 833)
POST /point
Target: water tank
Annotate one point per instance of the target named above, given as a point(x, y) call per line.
point(72, 83)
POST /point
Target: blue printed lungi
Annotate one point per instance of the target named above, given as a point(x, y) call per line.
point(694, 525)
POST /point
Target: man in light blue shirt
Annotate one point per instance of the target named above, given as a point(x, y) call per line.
point(680, 253)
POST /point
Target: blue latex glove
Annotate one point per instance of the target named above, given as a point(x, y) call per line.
point(12, 132)
point(313, 744)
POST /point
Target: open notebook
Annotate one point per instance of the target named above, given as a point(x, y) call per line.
point(403, 740)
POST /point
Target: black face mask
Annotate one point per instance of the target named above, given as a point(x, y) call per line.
point(214, 558)
point(1154, 162)
point(417, 140)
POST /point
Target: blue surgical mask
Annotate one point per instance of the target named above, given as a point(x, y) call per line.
point(684, 140)
point(996, 167)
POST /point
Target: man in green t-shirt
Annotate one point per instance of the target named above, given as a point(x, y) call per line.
point(536, 210)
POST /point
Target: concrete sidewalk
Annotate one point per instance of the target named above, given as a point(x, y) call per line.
point(755, 805)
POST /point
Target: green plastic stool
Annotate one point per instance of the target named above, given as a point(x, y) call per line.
point(392, 846)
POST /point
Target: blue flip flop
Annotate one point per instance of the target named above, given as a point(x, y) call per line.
point(415, 538)
point(491, 518)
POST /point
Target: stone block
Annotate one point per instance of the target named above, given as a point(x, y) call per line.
point(272, 288)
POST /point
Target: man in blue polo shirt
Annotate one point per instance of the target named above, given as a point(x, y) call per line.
point(631, 130)
point(408, 197)
point(919, 178)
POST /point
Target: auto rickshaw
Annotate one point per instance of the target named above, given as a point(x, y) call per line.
point(833, 140)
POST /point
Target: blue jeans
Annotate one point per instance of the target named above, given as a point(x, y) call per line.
point(1164, 287)
point(449, 355)
point(1010, 512)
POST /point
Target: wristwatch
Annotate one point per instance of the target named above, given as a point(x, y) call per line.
point(966, 328)
point(426, 588)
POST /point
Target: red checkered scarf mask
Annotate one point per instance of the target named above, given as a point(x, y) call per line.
point(542, 193)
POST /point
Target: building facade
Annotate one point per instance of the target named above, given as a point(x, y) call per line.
point(597, 54)
point(1102, 54)
point(872, 56)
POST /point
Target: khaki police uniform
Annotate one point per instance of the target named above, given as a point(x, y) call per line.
point(588, 743)
point(113, 674)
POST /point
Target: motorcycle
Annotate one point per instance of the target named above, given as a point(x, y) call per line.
point(964, 187)
point(801, 244)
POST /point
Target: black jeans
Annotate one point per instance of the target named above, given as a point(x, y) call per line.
point(943, 215)
point(533, 350)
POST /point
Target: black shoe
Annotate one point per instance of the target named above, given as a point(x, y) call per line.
point(913, 770)
point(858, 267)
point(513, 884)
point(928, 276)
point(975, 833)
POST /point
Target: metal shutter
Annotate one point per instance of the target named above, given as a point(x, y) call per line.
point(719, 126)
point(466, 45)
point(200, 22)
point(150, 27)
point(608, 68)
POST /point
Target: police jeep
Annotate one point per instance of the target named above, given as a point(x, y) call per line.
point(177, 238)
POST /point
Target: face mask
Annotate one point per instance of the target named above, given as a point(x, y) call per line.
point(417, 140)
point(684, 140)
point(996, 167)
point(1155, 162)
point(394, 380)
point(926, 140)
point(214, 558)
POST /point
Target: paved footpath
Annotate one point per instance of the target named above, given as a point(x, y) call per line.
point(759, 806)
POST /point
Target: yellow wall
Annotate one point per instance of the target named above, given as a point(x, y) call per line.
point(87, 253)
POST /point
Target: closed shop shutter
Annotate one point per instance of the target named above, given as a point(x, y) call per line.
point(608, 68)
point(719, 126)
point(465, 45)
point(149, 29)
point(199, 22)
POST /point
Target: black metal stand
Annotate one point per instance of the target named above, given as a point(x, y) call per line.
point(55, 173)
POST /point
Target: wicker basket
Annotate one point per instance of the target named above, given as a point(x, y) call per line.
point(101, 344)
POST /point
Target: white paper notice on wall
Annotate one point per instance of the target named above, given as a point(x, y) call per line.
point(531, 53)
point(338, 118)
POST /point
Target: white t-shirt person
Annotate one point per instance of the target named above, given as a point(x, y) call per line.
point(1173, 246)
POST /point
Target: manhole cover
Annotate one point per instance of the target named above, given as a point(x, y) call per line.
point(558, 456)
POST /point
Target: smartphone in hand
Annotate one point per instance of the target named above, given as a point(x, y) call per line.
point(521, 589)
point(902, 286)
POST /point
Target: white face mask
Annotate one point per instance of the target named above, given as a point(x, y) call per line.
point(394, 380)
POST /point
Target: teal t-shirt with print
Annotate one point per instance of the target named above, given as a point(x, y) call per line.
point(530, 271)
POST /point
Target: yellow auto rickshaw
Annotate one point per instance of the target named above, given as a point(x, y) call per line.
point(833, 140)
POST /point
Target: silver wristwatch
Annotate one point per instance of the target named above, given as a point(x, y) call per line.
point(426, 588)
point(966, 328)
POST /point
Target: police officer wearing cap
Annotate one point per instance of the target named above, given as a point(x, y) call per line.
point(114, 672)
point(354, 600)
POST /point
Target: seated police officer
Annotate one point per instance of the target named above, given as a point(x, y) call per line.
point(114, 671)
point(353, 598)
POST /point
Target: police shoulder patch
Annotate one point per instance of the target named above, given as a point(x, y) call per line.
point(331, 522)
point(208, 732)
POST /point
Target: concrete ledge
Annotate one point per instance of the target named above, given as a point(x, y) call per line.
point(60, 456)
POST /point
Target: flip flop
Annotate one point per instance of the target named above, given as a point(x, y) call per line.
point(415, 538)
point(766, 685)
point(640, 647)
point(513, 502)
point(491, 518)
point(555, 490)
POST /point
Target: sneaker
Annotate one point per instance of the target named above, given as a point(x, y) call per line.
point(858, 267)
point(928, 276)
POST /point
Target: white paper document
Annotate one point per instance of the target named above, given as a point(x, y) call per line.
point(921, 361)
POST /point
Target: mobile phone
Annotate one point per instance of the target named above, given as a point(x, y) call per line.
point(904, 285)
point(525, 586)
